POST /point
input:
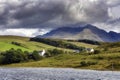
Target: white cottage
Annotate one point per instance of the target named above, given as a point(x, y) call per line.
point(42, 53)
point(90, 50)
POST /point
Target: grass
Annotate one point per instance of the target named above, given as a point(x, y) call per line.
point(102, 61)
point(26, 45)
point(5, 44)
point(76, 61)
point(84, 44)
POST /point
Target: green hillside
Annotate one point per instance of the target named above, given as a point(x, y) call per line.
point(84, 44)
point(101, 61)
point(107, 55)
point(25, 44)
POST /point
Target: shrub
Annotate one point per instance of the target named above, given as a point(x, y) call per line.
point(16, 43)
point(57, 43)
point(84, 63)
point(17, 56)
point(96, 52)
point(26, 55)
point(54, 52)
point(48, 54)
point(1, 59)
point(13, 56)
point(36, 56)
point(89, 42)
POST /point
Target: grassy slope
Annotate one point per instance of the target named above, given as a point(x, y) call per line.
point(103, 60)
point(84, 44)
point(5, 44)
point(73, 61)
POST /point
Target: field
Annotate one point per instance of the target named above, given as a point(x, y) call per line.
point(107, 58)
point(98, 61)
point(26, 45)
point(84, 44)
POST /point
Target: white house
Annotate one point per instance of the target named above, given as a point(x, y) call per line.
point(90, 50)
point(42, 53)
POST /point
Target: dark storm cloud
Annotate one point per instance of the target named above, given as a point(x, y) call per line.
point(112, 3)
point(51, 13)
point(34, 17)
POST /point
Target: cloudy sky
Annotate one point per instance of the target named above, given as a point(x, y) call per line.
point(35, 17)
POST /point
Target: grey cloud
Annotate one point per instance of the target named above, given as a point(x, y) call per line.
point(51, 13)
point(112, 3)
point(97, 12)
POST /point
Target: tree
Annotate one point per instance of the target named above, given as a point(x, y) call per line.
point(54, 52)
point(36, 56)
point(14, 56)
point(48, 54)
point(1, 59)
point(26, 55)
point(16, 43)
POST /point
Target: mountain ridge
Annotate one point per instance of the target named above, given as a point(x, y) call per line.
point(88, 31)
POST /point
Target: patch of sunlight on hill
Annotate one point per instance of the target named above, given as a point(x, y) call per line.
point(26, 45)
point(84, 44)
point(6, 43)
point(6, 46)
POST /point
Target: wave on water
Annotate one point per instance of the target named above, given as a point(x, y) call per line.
point(56, 74)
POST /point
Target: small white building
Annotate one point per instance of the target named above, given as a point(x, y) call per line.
point(90, 50)
point(42, 53)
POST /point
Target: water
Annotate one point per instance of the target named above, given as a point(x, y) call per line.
point(56, 74)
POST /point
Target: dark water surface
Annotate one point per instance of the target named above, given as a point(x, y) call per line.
point(56, 74)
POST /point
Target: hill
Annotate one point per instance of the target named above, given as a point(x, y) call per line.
point(8, 42)
point(67, 44)
point(88, 32)
point(106, 56)
point(106, 59)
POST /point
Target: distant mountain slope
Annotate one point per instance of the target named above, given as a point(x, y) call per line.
point(89, 32)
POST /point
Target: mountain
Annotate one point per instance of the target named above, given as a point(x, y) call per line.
point(88, 31)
